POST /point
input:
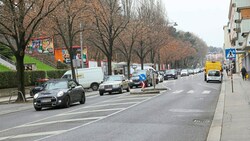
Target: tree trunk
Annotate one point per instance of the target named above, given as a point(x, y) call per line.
point(71, 54)
point(109, 58)
point(142, 62)
point(20, 77)
point(128, 68)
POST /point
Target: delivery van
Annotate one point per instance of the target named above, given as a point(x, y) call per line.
point(87, 77)
point(212, 65)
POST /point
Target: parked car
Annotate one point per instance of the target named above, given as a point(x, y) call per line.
point(114, 83)
point(172, 73)
point(184, 72)
point(59, 93)
point(87, 77)
point(135, 81)
point(160, 76)
point(214, 75)
point(190, 71)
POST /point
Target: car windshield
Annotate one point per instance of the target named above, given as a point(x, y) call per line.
point(139, 72)
point(56, 85)
point(114, 78)
point(169, 71)
point(213, 73)
point(184, 71)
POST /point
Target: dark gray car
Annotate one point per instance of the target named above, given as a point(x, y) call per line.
point(59, 93)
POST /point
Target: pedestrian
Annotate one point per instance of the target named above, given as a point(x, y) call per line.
point(243, 73)
point(142, 78)
point(227, 69)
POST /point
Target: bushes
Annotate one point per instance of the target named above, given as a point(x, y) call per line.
point(9, 78)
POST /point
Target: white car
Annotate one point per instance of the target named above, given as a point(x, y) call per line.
point(214, 75)
point(184, 72)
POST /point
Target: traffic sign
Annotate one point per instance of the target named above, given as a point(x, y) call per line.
point(230, 53)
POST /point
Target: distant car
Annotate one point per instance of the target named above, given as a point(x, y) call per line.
point(172, 73)
point(214, 75)
point(184, 72)
point(114, 83)
point(59, 93)
point(190, 71)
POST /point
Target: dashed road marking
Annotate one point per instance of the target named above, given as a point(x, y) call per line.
point(91, 111)
point(206, 92)
point(177, 91)
point(190, 92)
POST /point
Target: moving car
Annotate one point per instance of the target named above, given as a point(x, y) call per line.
point(59, 93)
point(212, 65)
point(214, 75)
point(172, 73)
point(87, 77)
point(184, 72)
point(114, 83)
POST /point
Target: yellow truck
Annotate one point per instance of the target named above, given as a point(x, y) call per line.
point(212, 65)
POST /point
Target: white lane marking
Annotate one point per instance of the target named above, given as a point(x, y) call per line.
point(99, 119)
point(91, 111)
point(206, 92)
point(190, 92)
point(32, 135)
point(112, 104)
point(124, 99)
point(177, 91)
point(211, 87)
point(62, 121)
point(51, 116)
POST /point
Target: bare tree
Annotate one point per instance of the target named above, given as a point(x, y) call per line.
point(19, 19)
point(107, 25)
point(67, 20)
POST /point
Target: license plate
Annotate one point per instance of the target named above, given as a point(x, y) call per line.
point(45, 100)
point(108, 89)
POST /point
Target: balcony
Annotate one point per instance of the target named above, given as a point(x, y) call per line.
point(246, 43)
point(245, 27)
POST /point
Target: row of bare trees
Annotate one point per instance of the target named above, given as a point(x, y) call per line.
point(136, 29)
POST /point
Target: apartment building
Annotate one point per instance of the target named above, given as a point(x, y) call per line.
point(236, 32)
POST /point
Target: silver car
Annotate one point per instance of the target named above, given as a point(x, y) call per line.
point(114, 83)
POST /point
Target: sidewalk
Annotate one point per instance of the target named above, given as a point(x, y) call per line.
point(232, 116)
point(236, 119)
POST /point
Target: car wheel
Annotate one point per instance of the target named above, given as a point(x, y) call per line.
point(128, 89)
point(207, 81)
point(67, 102)
point(83, 99)
point(101, 93)
point(38, 109)
point(94, 86)
point(120, 91)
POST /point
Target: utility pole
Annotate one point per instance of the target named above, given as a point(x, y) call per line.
point(81, 44)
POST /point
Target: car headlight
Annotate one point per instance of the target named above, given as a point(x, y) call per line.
point(101, 87)
point(36, 96)
point(59, 94)
point(116, 85)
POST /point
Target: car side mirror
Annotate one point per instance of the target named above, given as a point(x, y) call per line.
point(72, 86)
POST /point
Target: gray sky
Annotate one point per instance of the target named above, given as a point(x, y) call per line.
point(204, 18)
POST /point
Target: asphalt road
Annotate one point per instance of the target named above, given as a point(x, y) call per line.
point(182, 113)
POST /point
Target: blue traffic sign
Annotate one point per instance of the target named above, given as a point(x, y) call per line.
point(230, 53)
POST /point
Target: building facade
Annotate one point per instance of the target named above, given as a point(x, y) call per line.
point(236, 32)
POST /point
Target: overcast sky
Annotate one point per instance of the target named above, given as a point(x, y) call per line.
point(204, 18)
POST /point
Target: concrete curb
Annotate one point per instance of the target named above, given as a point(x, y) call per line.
point(216, 126)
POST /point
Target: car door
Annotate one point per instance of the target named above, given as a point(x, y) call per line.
point(73, 91)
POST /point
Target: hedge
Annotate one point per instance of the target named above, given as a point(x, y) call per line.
point(9, 78)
